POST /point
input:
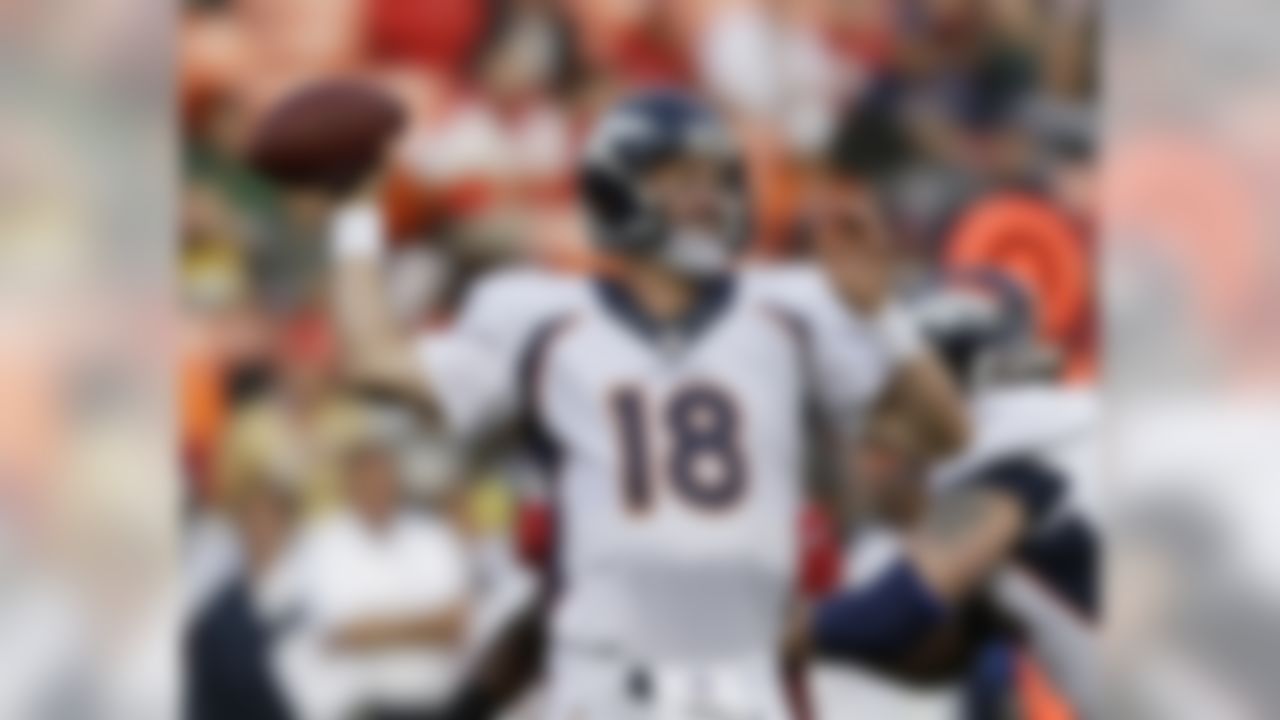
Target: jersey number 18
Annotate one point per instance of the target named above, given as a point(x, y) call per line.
point(705, 465)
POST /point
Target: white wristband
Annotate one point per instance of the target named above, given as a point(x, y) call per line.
point(356, 233)
point(897, 332)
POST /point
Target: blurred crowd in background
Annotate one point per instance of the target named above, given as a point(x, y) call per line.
point(974, 119)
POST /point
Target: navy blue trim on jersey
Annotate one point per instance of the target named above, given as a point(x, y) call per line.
point(879, 620)
point(544, 448)
point(801, 333)
point(1061, 552)
point(822, 463)
point(1037, 488)
point(797, 328)
point(1067, 560)
point(530, 371)
point(989, 681)
point(713, 297)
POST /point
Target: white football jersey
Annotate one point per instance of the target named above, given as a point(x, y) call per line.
point(678, 451)
point(1057, 425)
point(1050, 586)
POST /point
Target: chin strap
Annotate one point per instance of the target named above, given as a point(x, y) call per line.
point(696, 253)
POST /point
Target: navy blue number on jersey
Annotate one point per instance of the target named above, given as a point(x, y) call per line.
point(705, 465)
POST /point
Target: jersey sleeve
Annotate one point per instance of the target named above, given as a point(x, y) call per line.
point(854, 355)
point(472, 366)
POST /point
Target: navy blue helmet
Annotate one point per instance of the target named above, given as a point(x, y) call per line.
point(976, 319)
point(636, 136)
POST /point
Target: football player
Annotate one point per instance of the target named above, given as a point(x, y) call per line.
point(670, 395)
point(997, 541)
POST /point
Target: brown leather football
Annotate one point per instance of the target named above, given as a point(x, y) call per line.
point(329, 135)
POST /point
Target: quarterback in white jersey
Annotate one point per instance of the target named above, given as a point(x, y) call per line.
point(671, 394)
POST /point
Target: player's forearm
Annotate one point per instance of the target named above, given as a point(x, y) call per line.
point(963, 539)
point(965, 536)
point(883, 620)
point(366, 325)
point(973, 529)
point(924, 394)
point(375, 350)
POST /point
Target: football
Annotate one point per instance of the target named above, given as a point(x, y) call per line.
point(326, 136)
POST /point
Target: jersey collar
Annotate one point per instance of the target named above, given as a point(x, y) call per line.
point(714, 296)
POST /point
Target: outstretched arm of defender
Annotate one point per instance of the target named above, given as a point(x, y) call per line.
point(966, 535)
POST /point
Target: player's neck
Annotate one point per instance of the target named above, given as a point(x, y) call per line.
point(662, 294)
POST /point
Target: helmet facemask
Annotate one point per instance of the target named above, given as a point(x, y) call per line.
point(663, 182)
point(700, 215)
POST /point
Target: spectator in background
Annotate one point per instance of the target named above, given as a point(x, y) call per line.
point(231, 643)
point(385, 597)
point(433, 36)
point(299, 427)
point(638, 43)
point(490, 171)
point(772, 64)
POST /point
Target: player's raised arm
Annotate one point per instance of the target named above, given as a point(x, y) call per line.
point(855, 252)
point(465, 376)
point(377, 353)
point(324, 140)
